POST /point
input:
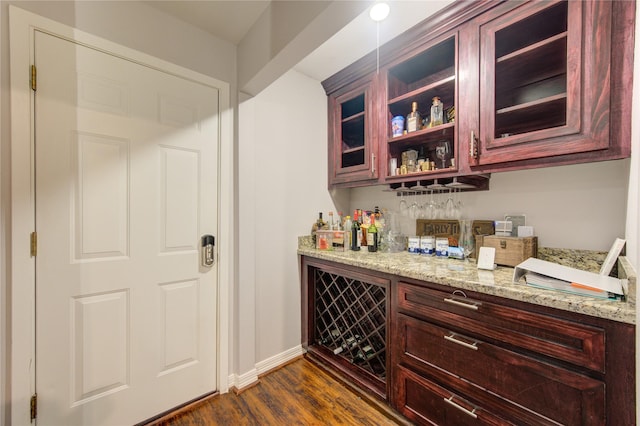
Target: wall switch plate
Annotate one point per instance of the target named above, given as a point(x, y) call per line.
point(486, 258)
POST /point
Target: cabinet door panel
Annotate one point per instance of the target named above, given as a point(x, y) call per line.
point(545, 81)
point(553, 392)
point(352, 135)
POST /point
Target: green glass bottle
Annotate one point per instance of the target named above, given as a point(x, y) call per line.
point(372, 235)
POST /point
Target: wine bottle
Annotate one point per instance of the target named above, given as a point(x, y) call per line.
point(414, 120)
point(372, 235)
point(355, 232)
point(332, 225)
point(364, 354)
point(349, 343)
point(347, 232)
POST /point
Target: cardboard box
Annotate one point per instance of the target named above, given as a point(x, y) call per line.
point(510, 251)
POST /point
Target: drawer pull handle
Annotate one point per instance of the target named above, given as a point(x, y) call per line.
point(451, 338)
point(463, 304)
point(471, 413)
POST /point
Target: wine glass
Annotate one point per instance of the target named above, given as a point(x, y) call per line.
point(466, 238)
point(442, 151)
point(403, 207)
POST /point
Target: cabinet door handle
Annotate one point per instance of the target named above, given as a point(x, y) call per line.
point(373, 163)
point(473, 146)
point(471, 413)
point(452, 338)
point(472, 305)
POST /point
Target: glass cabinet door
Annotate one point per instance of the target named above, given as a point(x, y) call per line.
point(544, 82)
point(352, 138)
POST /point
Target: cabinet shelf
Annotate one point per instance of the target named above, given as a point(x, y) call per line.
point(354, 117)
point(432, 134)
point(448, 84)
point(352, 150)
point(531, 116)
point(535, 28)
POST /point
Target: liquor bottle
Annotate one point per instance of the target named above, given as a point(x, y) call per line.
point(332, 225)
point(347, 232)
point(355, 231)
point(436, 113)
point(319, 224)
point(372, 235)
point(414, 120)
point(363, 231)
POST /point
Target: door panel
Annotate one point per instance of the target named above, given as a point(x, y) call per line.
point(126, 183)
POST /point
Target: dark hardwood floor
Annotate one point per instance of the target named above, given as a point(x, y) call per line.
point(300, 393)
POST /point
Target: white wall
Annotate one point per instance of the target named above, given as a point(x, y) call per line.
point(577, 207)
point(284, 183)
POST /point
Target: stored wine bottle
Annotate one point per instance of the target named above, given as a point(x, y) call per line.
point(364, 354)
point(372, 235)
point(414, 120)
point(349, 343)
point(355, 231)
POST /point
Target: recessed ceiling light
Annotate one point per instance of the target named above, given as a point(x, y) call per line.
point(379, 11)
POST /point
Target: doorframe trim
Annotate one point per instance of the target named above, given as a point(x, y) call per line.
point(21, 286)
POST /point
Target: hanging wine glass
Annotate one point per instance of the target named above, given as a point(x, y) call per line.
point(402, 208)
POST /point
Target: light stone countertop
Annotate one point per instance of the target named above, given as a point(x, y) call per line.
point(465, 275)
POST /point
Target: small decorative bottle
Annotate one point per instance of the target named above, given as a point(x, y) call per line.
point(436, 113)
point(414, 120)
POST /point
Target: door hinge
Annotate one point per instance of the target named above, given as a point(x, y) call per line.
point(33, 77)
point(34, 244)
point(34, 406)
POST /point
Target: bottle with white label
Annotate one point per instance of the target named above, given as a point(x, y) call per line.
point(414, 120)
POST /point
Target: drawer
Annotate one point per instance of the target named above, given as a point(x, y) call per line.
point(424, 402)
point(565, 340)
point(550, 391)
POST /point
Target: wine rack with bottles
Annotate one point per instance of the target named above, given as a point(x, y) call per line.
point(350, 321)
point(421, 78)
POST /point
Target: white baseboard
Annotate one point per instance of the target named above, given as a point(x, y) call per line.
point(243, 380)
point(277, 360)
point(250, 377)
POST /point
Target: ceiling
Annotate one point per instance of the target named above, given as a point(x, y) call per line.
point(232, 20)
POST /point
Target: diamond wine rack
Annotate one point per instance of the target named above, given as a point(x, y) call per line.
point(350, 320)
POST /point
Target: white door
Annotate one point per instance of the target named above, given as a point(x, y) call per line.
point(126, 185)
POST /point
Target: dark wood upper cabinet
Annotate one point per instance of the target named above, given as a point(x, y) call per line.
point(352, 135)
point(545, 82)
point(533, 84)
